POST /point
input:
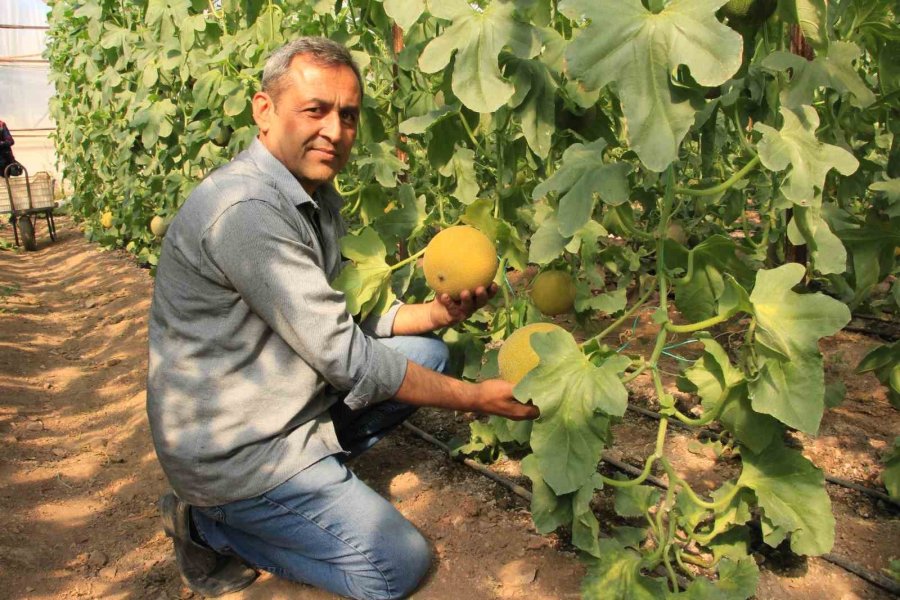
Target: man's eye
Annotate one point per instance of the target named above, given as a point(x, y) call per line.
point(349, 117)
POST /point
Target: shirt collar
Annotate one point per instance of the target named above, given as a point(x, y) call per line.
point(285, 182)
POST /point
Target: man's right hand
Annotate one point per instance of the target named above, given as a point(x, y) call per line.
point(495, 397)
point(424, 387)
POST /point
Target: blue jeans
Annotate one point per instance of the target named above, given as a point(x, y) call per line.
point(324, 526)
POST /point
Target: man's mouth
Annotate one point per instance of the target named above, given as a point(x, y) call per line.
point(327, 151)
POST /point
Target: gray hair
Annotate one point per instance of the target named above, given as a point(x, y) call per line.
point(319, 50)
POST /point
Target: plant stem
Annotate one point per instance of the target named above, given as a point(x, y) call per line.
point(725, 185)
point(708, 416)
point(648, 465)
point(408, 259)
point(698, 326)
point(471, 134)
point(618, 322)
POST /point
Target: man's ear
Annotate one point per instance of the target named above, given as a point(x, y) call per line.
point(263, 111)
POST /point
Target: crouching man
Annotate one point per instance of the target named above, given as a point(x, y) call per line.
point(261, 385)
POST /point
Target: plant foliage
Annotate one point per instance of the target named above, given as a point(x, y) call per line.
point(576, 134)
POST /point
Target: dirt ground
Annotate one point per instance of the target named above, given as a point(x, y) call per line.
point(79, 480)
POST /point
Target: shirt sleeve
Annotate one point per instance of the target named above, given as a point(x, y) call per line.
point(259, 253)
point(382, 326)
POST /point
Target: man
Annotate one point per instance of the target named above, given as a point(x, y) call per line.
point(260, 383)
point(6, 153)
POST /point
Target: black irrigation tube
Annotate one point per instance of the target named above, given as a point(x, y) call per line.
point(875, 579)
point(829, 478)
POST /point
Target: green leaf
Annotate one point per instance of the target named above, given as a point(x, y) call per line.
point(617, 576)
point(630, 46)
point(826, 250)
point(585, 527)
point(548, 511)
point(582, 175)
point(791, 492)
point(536, 111)
point(477, 37)
point(546, 243)
point(635, 501)
point(833, 70)
point(423, 123)
point(462, 168)
point(115, 37)
point(791, 384)
point(574, 397)
point(737, 581)
point(205, 92)
point(884, 361)
point(734, 543)
point(406, 219)
point(796, 145)
point(812, 17)
point(384, 162)
point(511, 431)
point(609, 302)
point(367, 279)
point(698, 293)
point(154, 121)
point(713, 372)
point(750, 428)
point(404, 12)
point(734, 514)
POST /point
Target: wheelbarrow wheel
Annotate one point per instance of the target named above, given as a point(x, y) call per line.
point(26, 232)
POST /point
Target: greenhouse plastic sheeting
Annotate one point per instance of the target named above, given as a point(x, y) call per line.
point(24, 86)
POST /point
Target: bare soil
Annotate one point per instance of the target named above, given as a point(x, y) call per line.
point(79, 479)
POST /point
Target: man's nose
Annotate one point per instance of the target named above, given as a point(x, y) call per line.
point(331, 126)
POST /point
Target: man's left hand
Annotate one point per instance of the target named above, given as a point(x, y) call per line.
point(445, 311)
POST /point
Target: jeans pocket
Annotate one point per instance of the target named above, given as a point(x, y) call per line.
point(216, 513)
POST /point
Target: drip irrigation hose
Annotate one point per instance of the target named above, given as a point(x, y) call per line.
point(875, 579)
point(829, 478)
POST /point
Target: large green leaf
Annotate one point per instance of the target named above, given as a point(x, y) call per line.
point(826, 250)
point(791, 492)
point(795, 145)
point(382, 159)
point(477, 36)
point(834, 70)
point(737, 581)
point(713, 372)
point(630, 46)
point(698, 293)
point(635, 501)
point(406, 217)
point(790, 323)
point(462, 168)
point(154, 119)
point(791, 383)
point(404, 12)
point(366, 280)
point(534, 103)
point(574, 397)
point(580, 180)
point(546, 243)
point(549, 510)
point(617, 576)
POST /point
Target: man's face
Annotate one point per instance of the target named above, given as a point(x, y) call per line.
point(311, 126)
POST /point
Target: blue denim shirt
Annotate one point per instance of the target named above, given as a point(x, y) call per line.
point(247, 336)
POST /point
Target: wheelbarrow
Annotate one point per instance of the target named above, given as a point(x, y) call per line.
point(27, 200)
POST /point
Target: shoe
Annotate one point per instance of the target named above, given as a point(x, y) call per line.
point(203, 570)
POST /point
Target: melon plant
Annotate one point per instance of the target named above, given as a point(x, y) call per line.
point(574, 134)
